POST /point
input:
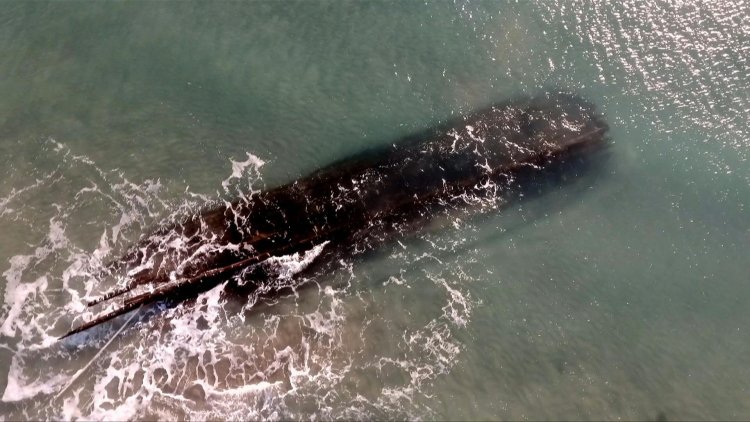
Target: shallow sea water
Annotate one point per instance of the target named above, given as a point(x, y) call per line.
point(621, 294)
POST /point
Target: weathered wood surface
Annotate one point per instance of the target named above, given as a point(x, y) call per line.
point(354, 200)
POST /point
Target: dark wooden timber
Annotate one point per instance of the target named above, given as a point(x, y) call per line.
point(356, 199)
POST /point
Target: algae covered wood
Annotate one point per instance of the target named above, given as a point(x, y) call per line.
point(358, 201)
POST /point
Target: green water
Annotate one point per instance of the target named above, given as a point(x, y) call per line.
point(620, 295)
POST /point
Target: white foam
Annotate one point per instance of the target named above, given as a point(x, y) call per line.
point(253, 164)
point(21, 388)
point(253, 364)
point(16, 292)
point(16, 297)
point(248, 389)
point(288, 266)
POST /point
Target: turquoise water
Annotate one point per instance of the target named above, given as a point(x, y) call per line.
point(619, 295)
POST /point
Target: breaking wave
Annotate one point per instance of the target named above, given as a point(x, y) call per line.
point(366, 340)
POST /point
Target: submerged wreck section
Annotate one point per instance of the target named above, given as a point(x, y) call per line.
point(356, 201)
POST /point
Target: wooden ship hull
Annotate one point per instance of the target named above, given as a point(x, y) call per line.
point(356, 201)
